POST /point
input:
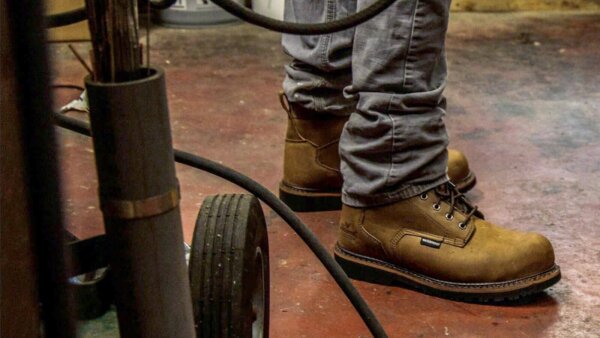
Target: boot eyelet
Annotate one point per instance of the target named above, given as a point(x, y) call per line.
point(424, 196)
point(449, 217)
point(462, 226)
point(437, 207)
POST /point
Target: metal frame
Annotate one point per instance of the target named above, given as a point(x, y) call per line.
point(134, 251)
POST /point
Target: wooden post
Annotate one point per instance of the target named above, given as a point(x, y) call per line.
point(18, 280)
point(32, 240)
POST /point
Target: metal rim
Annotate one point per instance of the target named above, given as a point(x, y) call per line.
point(258, 296)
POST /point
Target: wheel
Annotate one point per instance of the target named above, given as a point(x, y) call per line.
point(229, 268)
point(93, 293)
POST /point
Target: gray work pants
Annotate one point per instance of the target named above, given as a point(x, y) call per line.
point(388, 74)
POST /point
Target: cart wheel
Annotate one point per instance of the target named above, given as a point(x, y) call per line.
point(229, 268)
point(93, 293)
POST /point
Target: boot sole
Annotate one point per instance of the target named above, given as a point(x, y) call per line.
point(303, 200)
point(306, 200)
point(375, 271)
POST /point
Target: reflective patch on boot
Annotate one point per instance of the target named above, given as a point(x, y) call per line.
point(431, 243)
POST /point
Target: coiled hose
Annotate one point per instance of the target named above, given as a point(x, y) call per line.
point(274, 203)
point(236, 9)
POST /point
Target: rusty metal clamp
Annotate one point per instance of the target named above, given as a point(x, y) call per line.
point(143, 208)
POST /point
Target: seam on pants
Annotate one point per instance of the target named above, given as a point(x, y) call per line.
point(410, 40)
point(325, 42)
point(326, 39)
point(389, 174)
point(402, 193)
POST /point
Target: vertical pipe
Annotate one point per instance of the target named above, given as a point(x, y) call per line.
point(139, 200)
point(28, 46)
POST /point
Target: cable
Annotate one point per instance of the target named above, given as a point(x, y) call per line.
point(252, 17)
point(277, 205)
point(79, 14)
point(163, 4)
point(296, 224)
point(66, 86)
point(236, 9)
point(66, 18)
point(72, 124)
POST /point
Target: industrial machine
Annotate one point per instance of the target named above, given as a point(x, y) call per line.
point(224, 290)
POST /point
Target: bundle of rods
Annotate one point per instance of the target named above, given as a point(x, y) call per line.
point(117, 53)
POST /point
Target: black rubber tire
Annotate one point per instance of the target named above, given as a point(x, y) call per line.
point(229, 247)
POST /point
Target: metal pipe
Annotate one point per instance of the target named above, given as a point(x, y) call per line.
point(140, 203)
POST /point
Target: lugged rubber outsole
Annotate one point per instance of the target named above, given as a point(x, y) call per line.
point(304, 201)
point(375, 271)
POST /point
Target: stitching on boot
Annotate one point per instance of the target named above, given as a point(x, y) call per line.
point(348, 236)
point(375, 239)
point(318, 157)
point(287, 107)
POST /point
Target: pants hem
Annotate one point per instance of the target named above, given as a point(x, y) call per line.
point(407, 191)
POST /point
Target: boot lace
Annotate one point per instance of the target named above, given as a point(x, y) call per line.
point(448, 193)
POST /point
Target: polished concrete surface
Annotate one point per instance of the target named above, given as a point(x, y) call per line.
point(523, 104)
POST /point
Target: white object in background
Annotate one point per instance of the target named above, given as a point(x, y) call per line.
point(80, 104)
point(194, 13)
point(270, 8)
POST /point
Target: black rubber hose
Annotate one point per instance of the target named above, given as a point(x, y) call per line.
point(72, 124)
point(66, 18)
point(252, 17)
point(163, 4)
point(277, 205)
point(79, 14)
point(76, 15)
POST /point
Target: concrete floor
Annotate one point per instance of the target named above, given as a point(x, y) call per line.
point(524, 105)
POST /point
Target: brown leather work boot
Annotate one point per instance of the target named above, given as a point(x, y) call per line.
point(439, 243)
point(311, 163)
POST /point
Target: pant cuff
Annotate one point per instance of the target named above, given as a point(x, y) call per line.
point(407, 191)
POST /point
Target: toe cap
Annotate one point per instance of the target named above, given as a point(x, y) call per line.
point(458, 166)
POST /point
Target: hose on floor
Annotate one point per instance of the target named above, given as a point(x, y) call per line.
point(248, 15)
point(277, 205)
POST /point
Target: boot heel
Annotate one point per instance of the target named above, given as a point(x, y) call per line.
point(364, 272)
point(307, 201)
